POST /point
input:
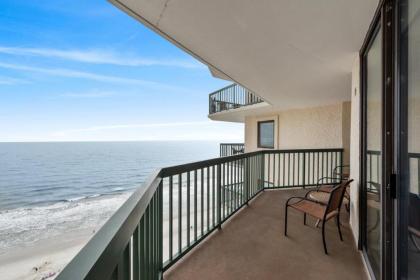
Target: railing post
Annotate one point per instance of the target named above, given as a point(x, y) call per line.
point(219, 200)
point(341, 161)
point(263, 170)
point(160, 252)
point(246, 180)
point(304, 170)
point(210, 110)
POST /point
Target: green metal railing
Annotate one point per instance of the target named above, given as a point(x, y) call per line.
point(180, 206)
point(231, 97)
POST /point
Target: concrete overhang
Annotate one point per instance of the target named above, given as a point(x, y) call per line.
point(292, 53)
point(238, 115)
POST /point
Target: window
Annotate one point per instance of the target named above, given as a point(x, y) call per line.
point(266, 134)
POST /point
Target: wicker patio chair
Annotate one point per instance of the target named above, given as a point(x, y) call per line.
point(319, 210)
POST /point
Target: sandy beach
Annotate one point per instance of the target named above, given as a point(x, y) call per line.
point(44, 259)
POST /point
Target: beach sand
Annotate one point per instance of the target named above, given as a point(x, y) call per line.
point(44, 259)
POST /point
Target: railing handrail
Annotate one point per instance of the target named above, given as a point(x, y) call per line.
point(231, 97)
point(222, 89)
point(100, 253)
point(98, 257)
point(182, 168)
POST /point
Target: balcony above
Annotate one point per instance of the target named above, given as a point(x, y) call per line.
point(294, 54)
point(231, 103)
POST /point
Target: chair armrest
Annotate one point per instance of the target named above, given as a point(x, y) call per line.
point(329, 178)
point(300, 199)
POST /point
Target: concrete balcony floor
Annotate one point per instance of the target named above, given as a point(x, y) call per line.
point(251, 245)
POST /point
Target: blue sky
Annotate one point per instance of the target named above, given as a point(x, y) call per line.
point(77, 70)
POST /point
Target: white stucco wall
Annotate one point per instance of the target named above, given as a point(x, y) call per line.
point(308, 128)
point(355, 149)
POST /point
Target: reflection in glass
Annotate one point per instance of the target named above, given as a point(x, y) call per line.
point(411, 182)
point(266, 134)
point(373, 154)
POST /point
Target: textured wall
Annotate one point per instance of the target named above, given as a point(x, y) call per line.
point(346, 128)
point(320, 127)
point(311, 128)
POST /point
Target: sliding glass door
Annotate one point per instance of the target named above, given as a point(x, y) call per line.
point(408, 215)
point(390, 186)
point(373, 103)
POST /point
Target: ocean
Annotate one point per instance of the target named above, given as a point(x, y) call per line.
point(47, 189)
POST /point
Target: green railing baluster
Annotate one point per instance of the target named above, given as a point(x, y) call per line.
point(195, 205)
point(179, 213)
point(222, 191)
point(160, 259)
point(147, 244)
point(218, 198)
point(153, 241)
point(188, 208)
point(304, 169)
point(208, 198)
point(213, 196)
point(136, 254)
point(202, 202)
point(142, 240)
point(171, 218)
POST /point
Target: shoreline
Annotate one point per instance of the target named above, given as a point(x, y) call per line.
point(44, 259)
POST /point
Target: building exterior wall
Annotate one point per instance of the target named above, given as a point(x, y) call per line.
point(355, 149)
point(308, 128)
point(251, 131)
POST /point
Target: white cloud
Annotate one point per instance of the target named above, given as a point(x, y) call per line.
point(68, 73)
point(88, 94)
point(11, 81)
point(98, 57)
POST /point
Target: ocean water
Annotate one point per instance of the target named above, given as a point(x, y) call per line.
point(50, 188)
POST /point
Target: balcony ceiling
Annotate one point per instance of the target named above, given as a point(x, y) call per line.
point(293, 53)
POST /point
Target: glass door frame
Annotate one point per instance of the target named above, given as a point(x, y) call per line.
point(383, 21)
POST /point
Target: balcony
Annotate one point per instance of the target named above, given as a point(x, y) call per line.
point(232, 207)
point(231, 149)
point(231, 97)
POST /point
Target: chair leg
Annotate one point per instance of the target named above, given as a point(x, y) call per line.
point(338, 226)
point(412, 238)
point(304, 218)
point(323, 237)
point(285, 222)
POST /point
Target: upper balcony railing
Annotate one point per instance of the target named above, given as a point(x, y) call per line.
point(231, 97)
point(231, 149)
point(179, 206)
